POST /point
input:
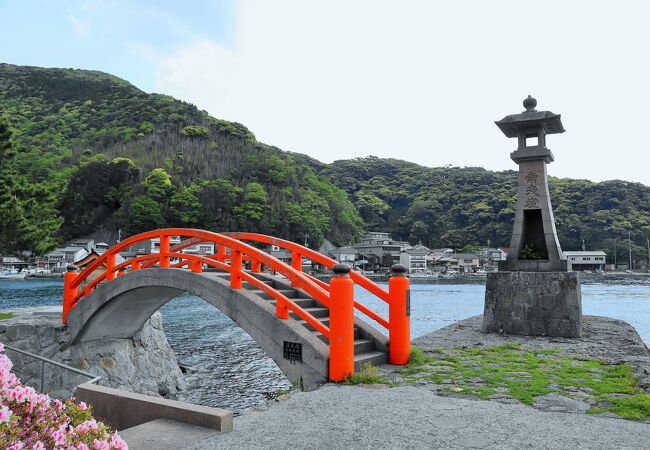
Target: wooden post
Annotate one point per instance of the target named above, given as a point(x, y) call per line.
point(399, 320)
point(341, 324)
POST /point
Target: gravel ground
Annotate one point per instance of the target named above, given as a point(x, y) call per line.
point(406, 417)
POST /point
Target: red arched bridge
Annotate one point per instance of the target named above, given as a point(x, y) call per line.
point(312, 329)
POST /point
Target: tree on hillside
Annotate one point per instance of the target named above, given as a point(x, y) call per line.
point(24, 227)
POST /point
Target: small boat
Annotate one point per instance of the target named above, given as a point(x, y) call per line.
point(12, 274)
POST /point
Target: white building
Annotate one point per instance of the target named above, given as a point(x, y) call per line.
point(345, 255)
point(59, 259)
point(415, 259)
point(578, 261)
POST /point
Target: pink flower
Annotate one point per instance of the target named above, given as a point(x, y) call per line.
point(5, 414)
point(83, 406)
point(100, 445)
point(38, 446)
point(118, 443)
point(58, 437)
point(16, 446)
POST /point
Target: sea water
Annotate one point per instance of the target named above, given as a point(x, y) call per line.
point(229, 370)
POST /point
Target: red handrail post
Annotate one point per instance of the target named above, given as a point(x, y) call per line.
point(235, 269)
point(281, 309)
point(255, 266)
point(196, 266)
point(110, 267)
point(399, 320)
point(69, 293)
point(341, 324)
point(135, 265)
point(221, 252)
point(164, 252)
point(296, 262)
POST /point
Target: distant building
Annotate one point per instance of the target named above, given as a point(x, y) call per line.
point(415, 259)
point(93, 255)
point(57, 260)
point(88, 244)
point(378, 250)
point(467, 262)
point(578, 261)
point(345, 255)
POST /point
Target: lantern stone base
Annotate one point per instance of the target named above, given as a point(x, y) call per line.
point(533, 304)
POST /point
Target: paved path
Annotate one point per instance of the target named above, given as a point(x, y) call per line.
point(407, 417)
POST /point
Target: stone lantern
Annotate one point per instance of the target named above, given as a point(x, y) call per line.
point(533, 294)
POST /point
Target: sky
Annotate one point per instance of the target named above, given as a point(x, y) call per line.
point(422, 81)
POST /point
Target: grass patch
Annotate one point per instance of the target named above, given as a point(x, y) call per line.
point(6, 316)
point(526, 374)
point(368, 374)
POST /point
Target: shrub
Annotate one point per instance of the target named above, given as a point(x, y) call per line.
point(194, 131)
point(29, 420)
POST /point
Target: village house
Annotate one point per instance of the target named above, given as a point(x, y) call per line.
point(415, 259)
point(378, 251)
point(578, 261)
point(467, 262)
point(57, 260)
point(345, 255)
point(83, 263)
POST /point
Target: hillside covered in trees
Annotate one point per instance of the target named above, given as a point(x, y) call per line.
point(457, 207)
point(90, 151)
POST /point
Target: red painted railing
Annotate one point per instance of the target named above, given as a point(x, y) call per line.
point(233, 253)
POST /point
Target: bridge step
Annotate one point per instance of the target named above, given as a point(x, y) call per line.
point(357, 334)
point(251, 287)
point(364, 349)
point(289, 293)
point(375, 358)
point(324, 320)
point(316, 311)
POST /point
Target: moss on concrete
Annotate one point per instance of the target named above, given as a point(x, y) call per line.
point(508, 371)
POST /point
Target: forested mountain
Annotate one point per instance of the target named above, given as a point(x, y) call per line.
point(457, 206)
point(89, 150)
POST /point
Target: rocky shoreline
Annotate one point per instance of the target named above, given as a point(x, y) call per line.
point(145, 363)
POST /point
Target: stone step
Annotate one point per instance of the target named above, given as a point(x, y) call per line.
point(373, 357)
point(324, 320)
point(289, 293)
point(164, 434)
point(316, 311)
point(246, 285)
point(357, 334)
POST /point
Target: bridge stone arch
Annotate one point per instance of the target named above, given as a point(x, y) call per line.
point(117, 310)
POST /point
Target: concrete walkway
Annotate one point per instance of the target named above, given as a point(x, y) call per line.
point(408, 417)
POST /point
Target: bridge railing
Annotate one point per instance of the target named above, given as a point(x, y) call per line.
point(397, 296)
point(232, 253)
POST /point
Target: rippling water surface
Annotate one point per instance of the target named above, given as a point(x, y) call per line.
point(228, 369)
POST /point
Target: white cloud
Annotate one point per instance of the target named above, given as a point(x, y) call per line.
point(424, 81)
point(81, 27)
